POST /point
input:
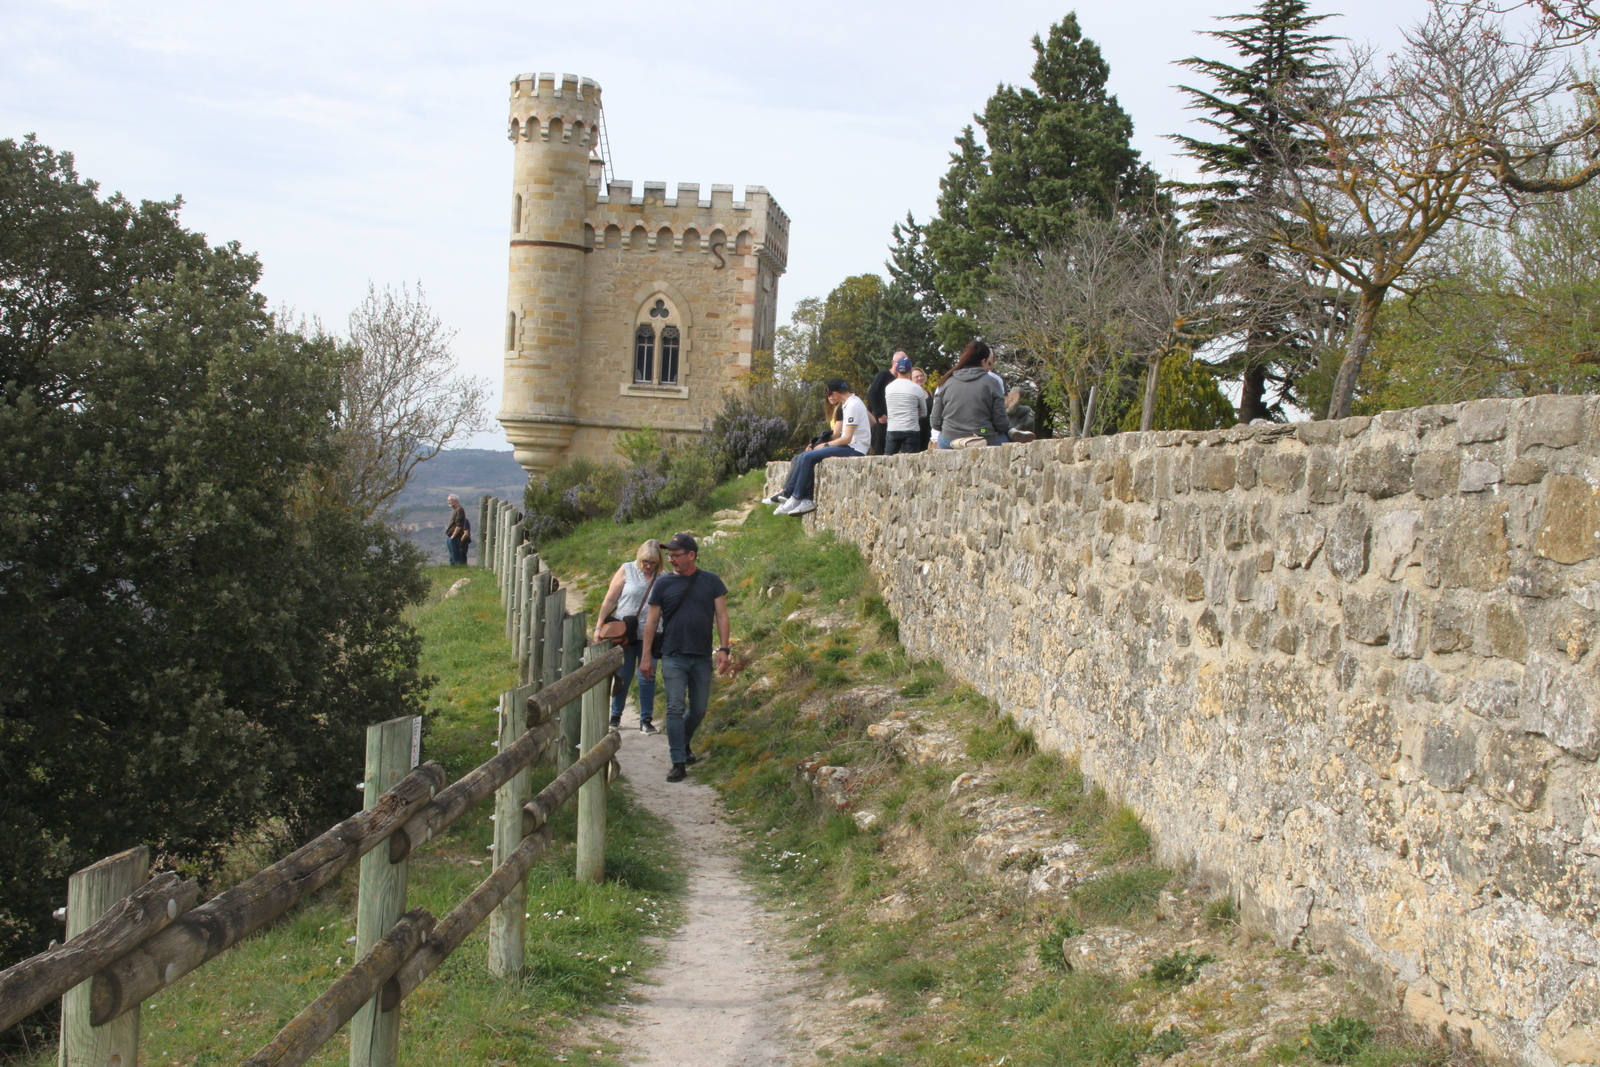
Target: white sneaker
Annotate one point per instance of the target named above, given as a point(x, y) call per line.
point(776, 500)
point(785, 507)
point(802, 507)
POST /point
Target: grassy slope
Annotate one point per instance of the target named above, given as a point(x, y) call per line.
point(584, 942)
point(962, 975)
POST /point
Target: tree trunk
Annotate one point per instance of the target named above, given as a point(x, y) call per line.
point(1253, 394)
point(1075, 415)
point(1344, 385)
point(1152, 379)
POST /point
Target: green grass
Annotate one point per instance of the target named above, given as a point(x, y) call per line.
point(585, 942)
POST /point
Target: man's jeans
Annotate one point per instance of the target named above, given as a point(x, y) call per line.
point(802, 473)
point(458, 551)
point(903, 441)
point(623, 678)
point(687, 680)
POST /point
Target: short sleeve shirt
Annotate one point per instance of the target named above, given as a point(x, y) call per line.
point(855, 414)
point(688, 611)
point(907, 402)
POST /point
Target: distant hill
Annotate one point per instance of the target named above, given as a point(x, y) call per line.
point(420, 511)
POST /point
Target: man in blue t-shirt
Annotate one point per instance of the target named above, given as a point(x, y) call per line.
point(688, 602)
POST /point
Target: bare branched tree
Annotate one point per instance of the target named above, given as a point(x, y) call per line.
point(402, 399)
point(1404, 147)
point(1060, 313)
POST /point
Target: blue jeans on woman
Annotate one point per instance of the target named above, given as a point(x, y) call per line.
point(624, 678)
point(988, 439)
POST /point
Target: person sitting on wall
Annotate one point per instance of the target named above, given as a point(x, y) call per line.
point(907, 404)
point(968, 407)
point(1020, 416)
point(852, 439)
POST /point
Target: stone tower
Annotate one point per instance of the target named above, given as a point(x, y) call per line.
point(622, 311)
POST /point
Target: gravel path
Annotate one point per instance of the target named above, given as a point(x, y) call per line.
point(726, 992)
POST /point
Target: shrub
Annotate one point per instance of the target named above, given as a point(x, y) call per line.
point(1180, 968)
point(1339, 1040)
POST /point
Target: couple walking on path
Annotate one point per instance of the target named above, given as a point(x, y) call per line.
point(672, 619)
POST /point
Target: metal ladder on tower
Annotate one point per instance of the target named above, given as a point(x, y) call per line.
point(607, 172)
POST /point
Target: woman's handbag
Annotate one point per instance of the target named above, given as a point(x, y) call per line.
point(615, 630)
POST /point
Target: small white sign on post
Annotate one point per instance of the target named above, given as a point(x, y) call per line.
point(416, 740)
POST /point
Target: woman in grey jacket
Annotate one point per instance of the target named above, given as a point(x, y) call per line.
point(968, 403)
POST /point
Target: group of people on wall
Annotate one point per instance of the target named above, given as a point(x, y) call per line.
point(969, 408)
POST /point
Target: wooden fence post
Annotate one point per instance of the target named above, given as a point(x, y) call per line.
point(392, 750)
point(526, 561)
point(537, 595)
point(491, 536)
point(592, 794)
point(90, 894)
point(513, 558)
point(573, 637)
point(507, 923)
point(481, 531)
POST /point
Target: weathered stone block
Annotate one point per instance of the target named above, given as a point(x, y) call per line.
point(1345, 671)
point(1366, 618)
point(1122, 479)
point(1478, 475)
point(1235, 526)
point(1194, 584)
point(1436, 473)
point(1303, 537)
point(1380, 472)
point(1320, 432)
point(1514, 769)
point(1466, 546)
point(1248, 471)
point(1449, 757)
point(1283, 470)
point(1406, 625)
point(1394, 537)
point(1503, 631)
point(1287, 639)
point(1213, 469)
point(1324, 483)
point(1554, 703)
point(1569, 526)
point(1526, 470)
point(1452, 627)
point(1482, 420)
point(1208, 630)
point(1349, 543)
point(1244, 580)
point(1551, 420)
point(1371, 733)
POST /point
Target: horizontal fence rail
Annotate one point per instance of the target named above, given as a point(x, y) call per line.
point(127, 946)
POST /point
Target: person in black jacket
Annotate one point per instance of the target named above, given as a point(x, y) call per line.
point(878, 407)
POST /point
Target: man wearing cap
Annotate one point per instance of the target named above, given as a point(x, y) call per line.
point(853, 438)
point(689, 601)
point(907, 404)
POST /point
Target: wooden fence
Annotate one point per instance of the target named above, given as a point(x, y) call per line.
point(129, 936)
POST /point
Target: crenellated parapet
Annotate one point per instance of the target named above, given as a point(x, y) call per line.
point(563, 104)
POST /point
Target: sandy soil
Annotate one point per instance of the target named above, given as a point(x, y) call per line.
point(727, 991)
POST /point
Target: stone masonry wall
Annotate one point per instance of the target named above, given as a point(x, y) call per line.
point(1348, 667)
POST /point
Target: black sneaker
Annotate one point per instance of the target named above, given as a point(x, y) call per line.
point(648, 728)
point(691, 760)
point(677, 774)
point(776, 498)
point(616, 724)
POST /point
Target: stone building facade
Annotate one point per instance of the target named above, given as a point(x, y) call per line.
point(623, 310)
point(1351, 669)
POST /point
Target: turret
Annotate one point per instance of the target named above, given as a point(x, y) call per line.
point(554, 125)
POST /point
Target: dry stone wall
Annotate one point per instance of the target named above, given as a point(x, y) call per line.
point(1348, 667)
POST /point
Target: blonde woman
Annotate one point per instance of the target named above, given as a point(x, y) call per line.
point(626, 599)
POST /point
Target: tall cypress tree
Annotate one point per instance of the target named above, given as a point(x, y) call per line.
point(1045, 150)
point(1277, 47)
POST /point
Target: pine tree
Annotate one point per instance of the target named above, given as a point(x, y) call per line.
point(1277, 49)
point(909, 314)
point(1045, 151)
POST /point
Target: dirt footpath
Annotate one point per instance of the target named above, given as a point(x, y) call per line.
point(727, 991)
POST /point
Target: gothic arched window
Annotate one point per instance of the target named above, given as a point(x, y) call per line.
point(644, 353)
point(669, 356)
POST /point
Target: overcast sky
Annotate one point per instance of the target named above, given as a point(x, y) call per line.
point(346, 142)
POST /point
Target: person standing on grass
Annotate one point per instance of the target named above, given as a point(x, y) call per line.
point(458, 534)
point(685, 605)
point(907, 404)
point(626, 600)
point(851, 440)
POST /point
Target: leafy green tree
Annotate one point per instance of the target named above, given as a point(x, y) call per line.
point(1046, 149)
point(912, 303)
point(1187, 398)
point(191, 638)
point(850, 342)
point(1281, 304)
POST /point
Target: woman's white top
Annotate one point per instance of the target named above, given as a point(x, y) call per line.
point(635, 584)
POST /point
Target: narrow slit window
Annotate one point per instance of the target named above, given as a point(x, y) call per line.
point(644, 353)
point(516, 214)
point(511, 330)
point(669, 356)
